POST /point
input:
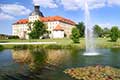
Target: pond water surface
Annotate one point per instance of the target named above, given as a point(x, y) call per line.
point(39, 64)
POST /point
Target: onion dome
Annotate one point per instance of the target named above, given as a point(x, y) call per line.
point(36, 11)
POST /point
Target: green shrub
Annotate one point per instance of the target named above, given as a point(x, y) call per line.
point(75, 35)
point(13, 37)
point(52, 46)
point(114, 34)
point(21, 47)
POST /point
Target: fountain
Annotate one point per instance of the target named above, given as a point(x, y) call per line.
point(89, 39)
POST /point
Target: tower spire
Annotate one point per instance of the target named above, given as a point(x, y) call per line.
point(37, 11)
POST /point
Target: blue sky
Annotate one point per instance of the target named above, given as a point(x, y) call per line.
point(103, 12)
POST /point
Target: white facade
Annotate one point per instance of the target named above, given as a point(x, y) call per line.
point(67, 27)
point(33, 18)
point(58, 34)
point(51, 25)
point(20, 30)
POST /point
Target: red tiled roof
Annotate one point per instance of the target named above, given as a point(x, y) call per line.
point(56, 18)
point(47, 19)
point(58, 28)
point(22, 21)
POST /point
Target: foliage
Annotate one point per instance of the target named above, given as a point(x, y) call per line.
point(20, 47)
point(106, 32)
point(30, 25)
point(81, 27)
point(119, 33)
point(75, 35)
point(98, 31)
point(13, 37)
point(114, 33)
point(38, 30)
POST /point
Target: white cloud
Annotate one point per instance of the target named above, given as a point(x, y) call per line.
point(96, 3)
point(15, 9)
point(114, 2)
point(92, 4)
point(72, 4)
point(46, 3)
point(79, 4)
point(4, 16)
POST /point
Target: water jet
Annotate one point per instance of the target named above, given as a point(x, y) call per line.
point(89, 38)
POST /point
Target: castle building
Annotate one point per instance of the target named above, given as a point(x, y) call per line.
point(58, 26)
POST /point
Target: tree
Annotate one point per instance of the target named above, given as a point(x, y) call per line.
point(119, 33)
point(75, 35)
point(81, 27)
point(114, 33)
point(106, 32)
point(38, 30)
point(30, 26)
point(98, 31)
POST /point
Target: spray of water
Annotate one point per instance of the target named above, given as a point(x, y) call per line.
point(89, 39)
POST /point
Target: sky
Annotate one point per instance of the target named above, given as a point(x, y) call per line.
point(106, 13)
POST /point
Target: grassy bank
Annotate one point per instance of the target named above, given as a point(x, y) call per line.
point(59, 41)
point(63, 43)
point(106, 43)
point(46, 46)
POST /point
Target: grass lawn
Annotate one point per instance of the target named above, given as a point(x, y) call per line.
point(59, 41)
point(100, 42)
point(105, 42)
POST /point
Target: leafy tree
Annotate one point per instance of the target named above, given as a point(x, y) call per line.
point(114, 33)
point(75, 35)
point(98, 31)
point(81, 27)
point(106, 32)
point(119, 33)
point(30, 25)
point(38, 30)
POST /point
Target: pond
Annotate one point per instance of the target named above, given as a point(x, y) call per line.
point(40, 64)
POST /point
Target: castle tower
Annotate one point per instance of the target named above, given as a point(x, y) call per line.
point(36, 14)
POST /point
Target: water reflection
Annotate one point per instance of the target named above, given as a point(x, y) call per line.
point(57, 57)
point(40, 61)
point(21, 56)
point(45, 64)
point(115, 50)
point(115, 57)
point(38, 58)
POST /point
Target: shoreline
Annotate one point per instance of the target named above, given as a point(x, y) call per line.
point(58, 43)
point(24, 43)
point(51, 45)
